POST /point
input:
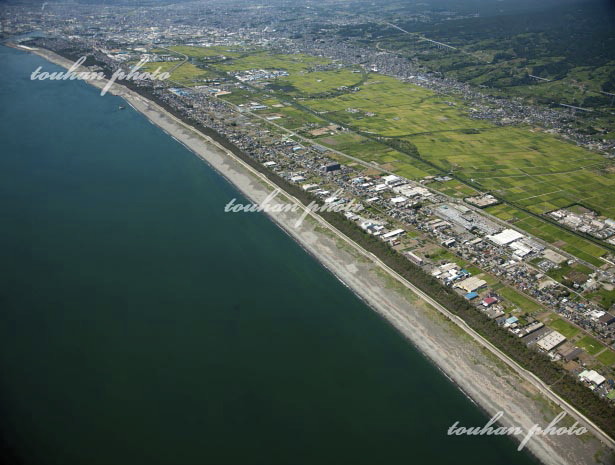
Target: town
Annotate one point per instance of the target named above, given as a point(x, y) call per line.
point(554, 299)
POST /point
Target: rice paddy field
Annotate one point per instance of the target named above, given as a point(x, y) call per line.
point(526, 167)
point(206, 52)
point(533, 171)
point(263, 60)
point(291, 117)
point(378, 154)
point(388, 107)
point(319, 82)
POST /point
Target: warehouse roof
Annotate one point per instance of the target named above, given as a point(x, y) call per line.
point(505, 237)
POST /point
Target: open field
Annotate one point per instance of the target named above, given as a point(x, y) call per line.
point(454, 188)
point(318, 82)
point(388, 107)
point(606, 299)
point(591, 345)
point(565, 328)
point(529, 168)
point(202, 52)
point(377, 153)
point(291, 117)
point(264, 60)
point(606, 358)
point(524, 303)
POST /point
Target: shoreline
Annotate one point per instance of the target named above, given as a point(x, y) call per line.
point(478, 375)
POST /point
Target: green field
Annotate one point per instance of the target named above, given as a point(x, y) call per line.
point(454, 188)
point(202, 52)
point(291, 118)
point(378, 154)
point(319, 82)
point(606, 358)
point(565, 328)
point(264, 60)
point(524, 303)
point(527, 167)
point(591, 345)
point(391, 108)
point(530, 169)
point(604, 298)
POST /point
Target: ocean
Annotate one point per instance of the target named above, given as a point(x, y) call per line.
point(140, 324)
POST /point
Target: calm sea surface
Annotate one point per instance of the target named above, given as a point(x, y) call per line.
point(139, 324)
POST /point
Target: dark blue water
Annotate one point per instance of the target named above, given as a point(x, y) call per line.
point(139, 324)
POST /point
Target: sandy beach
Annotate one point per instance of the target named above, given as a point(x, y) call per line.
point(485, 375)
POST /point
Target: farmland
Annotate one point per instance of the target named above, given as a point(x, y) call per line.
point(378, 154)
point(524, 303)
point(414, 132)
point(606, 357)
point(531, 169)
point(387, 107)
point(206, 52)
point(319, 82)
point(263, 60)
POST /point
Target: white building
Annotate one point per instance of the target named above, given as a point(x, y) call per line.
point(551, 341)
point(592, 376)
point(472, 284)
point(391, 179)
point(392, 234)
point(505, 237)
